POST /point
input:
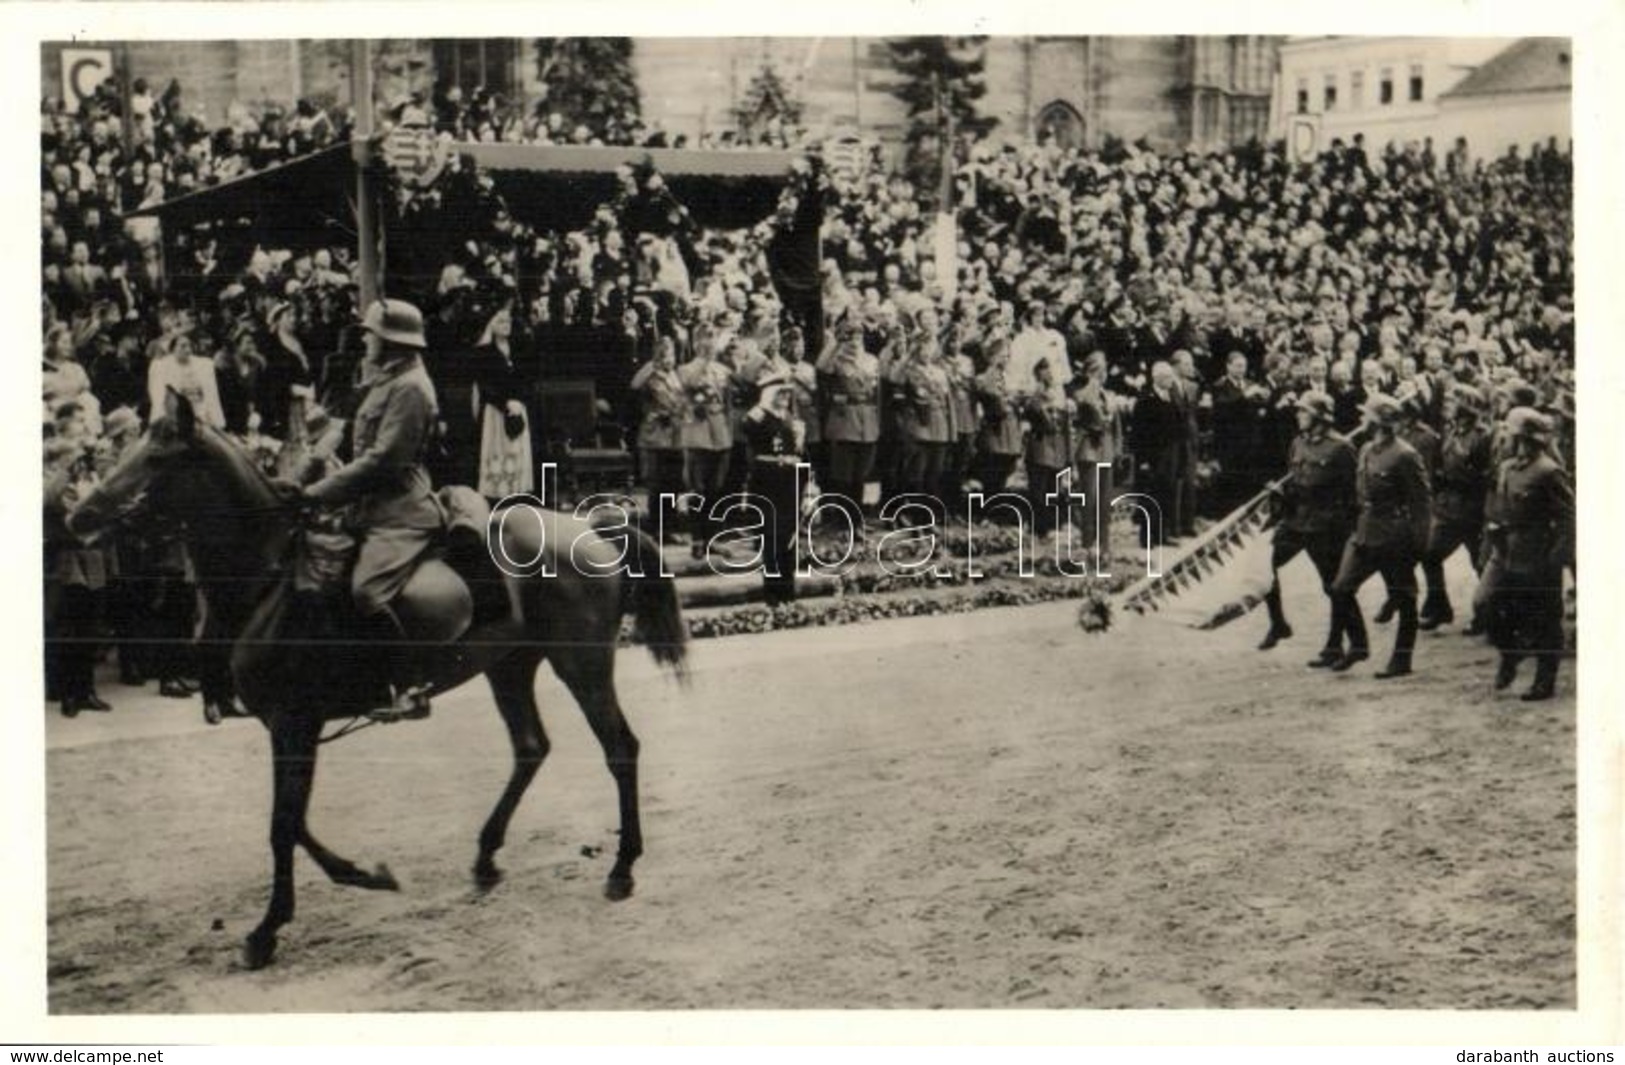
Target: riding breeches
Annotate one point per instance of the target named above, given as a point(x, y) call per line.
point(385, 563)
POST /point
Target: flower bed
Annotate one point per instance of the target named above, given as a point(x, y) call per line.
point(868, 591)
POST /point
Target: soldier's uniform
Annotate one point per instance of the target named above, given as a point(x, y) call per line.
point(391, 499)
point(999, 443)
point(1317, 516)
point(1048, 452)
point(1460, 488)
point(660, 440)
point(849, 380)
point(1096, 435)
point(1389, 536)
point(926, 421)
point(1530, 526)
point(707, 437)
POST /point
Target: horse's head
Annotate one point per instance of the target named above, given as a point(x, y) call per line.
point(181, 469)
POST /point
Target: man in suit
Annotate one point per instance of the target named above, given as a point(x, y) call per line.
point(1159, 428)
point(1317, 516)
point(1395, 502)
point(1278, 424)
point(1188, 394)
point(1530, 528)
point(1236, 416)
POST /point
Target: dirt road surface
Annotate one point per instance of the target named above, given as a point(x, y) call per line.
point(993, 810)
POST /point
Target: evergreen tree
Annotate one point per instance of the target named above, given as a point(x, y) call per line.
point(943, 77)
point(766, 98)
point(588, 81)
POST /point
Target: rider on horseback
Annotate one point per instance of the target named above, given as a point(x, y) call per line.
point(387, 488)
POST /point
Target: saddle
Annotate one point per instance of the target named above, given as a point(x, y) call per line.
point(454, 586)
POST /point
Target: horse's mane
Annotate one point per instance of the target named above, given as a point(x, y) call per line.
point(238, 463)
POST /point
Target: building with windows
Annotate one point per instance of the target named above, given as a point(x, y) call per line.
point(1523, 96)
point(1175, 92)
point(1404, 89)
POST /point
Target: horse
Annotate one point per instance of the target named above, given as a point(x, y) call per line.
point(240, 526)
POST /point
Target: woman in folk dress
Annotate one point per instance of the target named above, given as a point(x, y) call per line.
point(505, 456)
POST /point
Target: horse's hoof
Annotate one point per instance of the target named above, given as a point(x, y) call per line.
point(383, 879)
point(486, 875)
point(618, 888)
point(258, 951)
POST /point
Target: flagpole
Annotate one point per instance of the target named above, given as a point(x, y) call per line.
point(362, 152)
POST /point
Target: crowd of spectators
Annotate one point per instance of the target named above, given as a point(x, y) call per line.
point(1158, 312)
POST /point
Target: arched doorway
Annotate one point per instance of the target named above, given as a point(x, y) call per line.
point(1059, 123)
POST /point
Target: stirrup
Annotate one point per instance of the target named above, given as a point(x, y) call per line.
point(411, 705)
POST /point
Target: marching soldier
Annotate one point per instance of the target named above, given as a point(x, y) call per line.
point(1415, 431)
point(1530, 529)
point(1317, 516)
point(1460, 488)
point(1389, 535)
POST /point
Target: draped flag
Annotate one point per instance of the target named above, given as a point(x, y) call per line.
point(1233, 548)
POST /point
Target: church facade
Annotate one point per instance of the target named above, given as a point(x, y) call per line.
point(1175, 91)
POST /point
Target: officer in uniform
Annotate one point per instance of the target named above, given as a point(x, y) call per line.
point(387, 488)
point(925, 418)
point(1317, 516)
point(999, 441)
point(775, 436)
point(665, 408)
point(1530, 529)
point(849, 381)
point(1460, 489)
point(1389, 535)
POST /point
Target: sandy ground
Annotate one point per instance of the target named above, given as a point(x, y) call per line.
point(994, 810)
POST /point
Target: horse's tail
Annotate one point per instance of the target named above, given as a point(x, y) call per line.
point(657, 616)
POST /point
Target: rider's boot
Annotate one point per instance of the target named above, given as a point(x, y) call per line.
point(407, 665)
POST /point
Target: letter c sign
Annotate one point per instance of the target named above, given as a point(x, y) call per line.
point(82, 70)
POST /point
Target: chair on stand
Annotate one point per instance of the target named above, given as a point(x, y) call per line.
point(579, 435)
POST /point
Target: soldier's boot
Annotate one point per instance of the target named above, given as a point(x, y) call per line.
point(1385, 613)
point(1333, 648)
point(1279, 629)
point(1399, 663)
point(1352, 624)
point(1506, 672)
point(406, 669)
point(1436, 609)
point(1545, 685)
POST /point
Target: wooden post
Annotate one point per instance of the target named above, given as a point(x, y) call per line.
point(361, 148)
